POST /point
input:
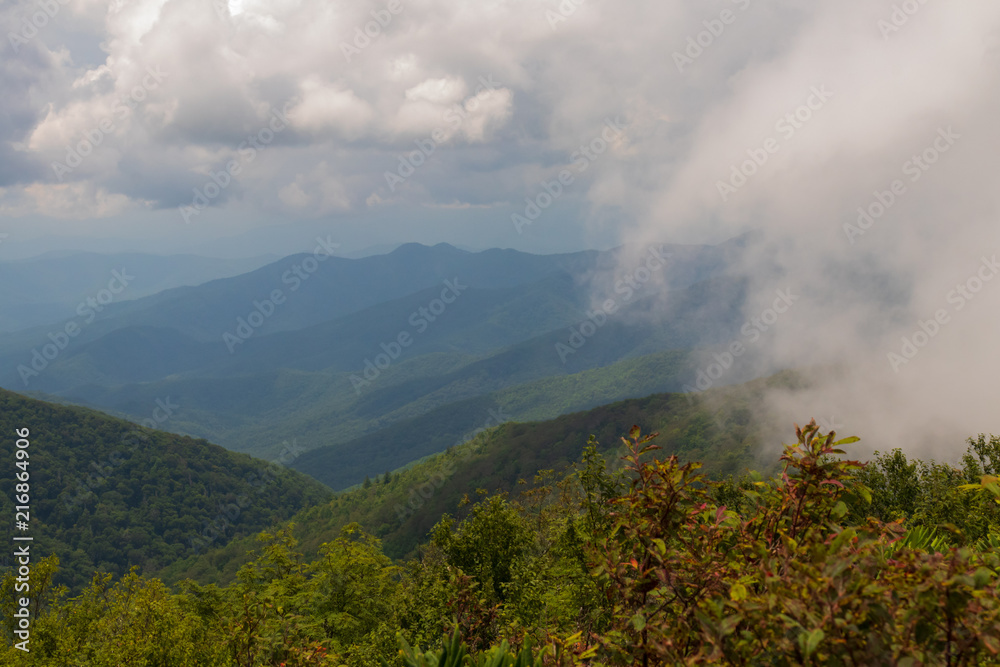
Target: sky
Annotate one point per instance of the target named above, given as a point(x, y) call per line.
point(434, 128)
point(859, 136)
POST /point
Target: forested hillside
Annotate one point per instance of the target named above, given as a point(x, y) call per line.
point(829, 563)
point(413, 437)
point(323, 364)
point(107, 494)
point(720, 428)
point(516, 333)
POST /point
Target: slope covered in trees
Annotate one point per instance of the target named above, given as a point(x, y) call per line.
point(324, 363)
point(720, 427)
point(649, 564)
point(107, 494)
point(345, 464)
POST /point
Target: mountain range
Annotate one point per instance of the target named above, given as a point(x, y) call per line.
point(364, 365)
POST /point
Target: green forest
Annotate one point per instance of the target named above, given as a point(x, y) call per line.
point(631, 556)
point(108, 494)
point(401, 507)
point(512, 333)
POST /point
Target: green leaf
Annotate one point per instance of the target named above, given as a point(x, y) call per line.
point(864, 492)
point(981, 577)
point(639, 622)
point(812, 641)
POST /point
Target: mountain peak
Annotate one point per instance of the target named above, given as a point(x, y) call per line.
point(415, 248)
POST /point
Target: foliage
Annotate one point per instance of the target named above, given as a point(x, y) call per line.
point(455, 654)
point(107, 495)
point(134, 621)
point(650, 563)
point(934, 495)
point(785, 581)
point(403, 510)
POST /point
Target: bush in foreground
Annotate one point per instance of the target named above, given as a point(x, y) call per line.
point(830, 563)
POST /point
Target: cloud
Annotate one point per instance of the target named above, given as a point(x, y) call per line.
point(224, 67)
point(329, 109)
point(726, 126)
point(912, 108)
point(68, 202)
point(317, 191)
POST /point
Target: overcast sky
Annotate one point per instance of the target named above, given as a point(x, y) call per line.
point(859, 135)
point(117, 114)
point(304, 110)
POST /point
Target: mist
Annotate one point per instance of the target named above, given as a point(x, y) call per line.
point(864, 149)
point(858, 139)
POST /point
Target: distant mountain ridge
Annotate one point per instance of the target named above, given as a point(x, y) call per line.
point(361, 345)
point(43, 289)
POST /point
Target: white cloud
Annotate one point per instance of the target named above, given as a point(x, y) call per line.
point(555, 86)
point(325, 108)
point(69, 202)
point(318, 192)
